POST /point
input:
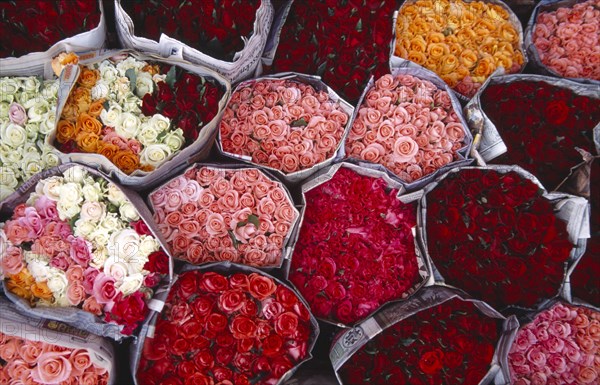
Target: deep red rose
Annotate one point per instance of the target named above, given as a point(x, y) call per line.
point(158, 262)
point(286, 324)
point(216, 322)
point(140, 227)
point(171, 380)
point(170, 110)
point(239, 281)
point(242, 327)
point(241, 379)
point(286, 297)
point(212, 282)
point(128, 311)
point(149, 105)
point(187, 285)
point(224, 356)
point(557, 112)
point(155, 348)
point(243, 362)
point(249, 308)
point(164, 93)
point(271, 346)
point(431, 361)
point(222, 374)
point(199, 379)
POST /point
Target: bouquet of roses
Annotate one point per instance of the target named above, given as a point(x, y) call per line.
point(438, 337)
point(560, 346)
point(137, 113)
point(543, 123)
point(216, 213)
point(35, 351)
point(226, 36)
point(562, 38)
point(75, 240)
point(228, 325)
point(36, 25)
point(410, 123)
point(356, 250)
point(462, 41)
point(289, 123)
point(344, 42)
point(27, 113)
point(494, 232)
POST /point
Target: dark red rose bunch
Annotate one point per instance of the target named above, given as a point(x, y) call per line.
point(356, 250)
point(494, 235)
point(451, 343)
point(214, 27)
point(344, 42)
point(191, 101)
point(542, 125)
point(239, 328)
point(36, 25)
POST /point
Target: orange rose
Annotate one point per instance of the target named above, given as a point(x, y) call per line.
point(82, 98)
point(484, 67)
point(146, 167)
point(19, 291)
point(87, 141)
point(126, 161)
point(23, 278)
point(468, 58)
point(107, 149)
point(70, 111)
point(87, 123)
point(151, 69)
point(65, 131)
point(417, 57)
point(448, 64)
point(41, 290)
point(59, 62)
point(88, 77)
point(96, 108)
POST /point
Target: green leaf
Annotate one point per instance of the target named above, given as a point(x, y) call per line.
point(407, 341)
point(170, 79)
point(233, 239)
point(321, 69)
point(448, 31)
point(111, 208)
point(73, 220)
point(254, 220)
point(359, 26)
point(299, 123)
point(106, 105)
point(130, 74)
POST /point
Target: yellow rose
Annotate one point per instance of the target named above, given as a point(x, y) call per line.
point(484, 67)
point(468, 58)
point(41, 290)
point(489, 45)
point(65, 131)
point(437, 50)
point(500, 59)
point(496, 13)
point(420, 4)
point(418, 44)
point(450, 79)
point(400, 51)
point(434, 37)
point(455, 48)
point(82, 97)
point(448, 64)
point(508, 33)
point(409, 11)
point(23, 278)
point(87, 123)
point(465, 35)
point(70, 111)
point(88, 77)
point(467, 18)
point(484, 27)
point(62, 60)
point(505, 47)
point(417, 57)
point(518, 58)
point(87, 141)
point(477, 7)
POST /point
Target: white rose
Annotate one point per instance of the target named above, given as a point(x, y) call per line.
point(32, 130)
point(92, 192)
point(112, 116)
point(38, 267)
point(57, 283)
point(111, 223)
point(100, 90)
point(32, 164)
point(47, 124)
point(25, 98)
point(9, 156)
point(4, 107)
point(31, 84)
point(108, 72)
point(5, 192)
point(160, 122)
point(124, 244)
point(147, 134)
point(144, 84)
point(8, 178)
point(50, 187)
point(67, 210)
point(75, 174)
point(121, 87)
point(93, 211)
point(159, 78)
point(148, 245)
point(128, 125)
point(8, 88)
point(50, 90)
point(155, 154)
point(29, 148)
point(131, 284)
point(128, 212)
point(99, 256)
point(174, 139)
point(115, 268)
point(13, 135)
point(83, 228)
point(129, 63)
point(37, 109)
point(115, 195)
point(50, 158)
point(70, 191)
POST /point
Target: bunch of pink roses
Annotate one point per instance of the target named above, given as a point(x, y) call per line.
point(283, 124)
point(561, 346)
point(568, 40)
point(36, 362)
point(239, 215)
point(407, 125)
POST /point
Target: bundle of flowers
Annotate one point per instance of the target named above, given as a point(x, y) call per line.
point(560, 346)
point(542, 121)
point(221, 214)
point(217, 28)
point(565, 39)
point(441, 339)
point(25, 361)
point(356, 249)
point(36, 25)
point(345, 43)
point(463, 42)
point(79, 242)
point(227, 327)
point(288, 124)
point(27, 113)
point(495, 234)
point(409, 125)
point(136, 113)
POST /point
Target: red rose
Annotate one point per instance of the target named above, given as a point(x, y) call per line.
point(241, 379)
point(224, 356)
point(321, 306)
point(155, 348)
point(199, 379)
point(344, 311)
point(151, 280)
point(170, 110)
point(271, 346)
point(238, 281)
point(286, 297)
point(280, 366)
point(261, 287)
point(212, 282)
point(180, 347)
point(216, 322)
point(242, 327)
point(249, 308)
point(204, 359)
point(140, 227)
point(243, 361)
point(158, 262)
point(286, 324)
point(222, 374)
point(164, 94)
point(128, 311)
point(203, 306)
point(171, 380)
point(245, 345)
point(431, 362)
point(190, 329)
point(186, 285)
point(231, 301)
point(189, 123)
point(453, 359)
point(149, 105)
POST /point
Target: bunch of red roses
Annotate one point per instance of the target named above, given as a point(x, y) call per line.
point(541, 124)
point(240, 328)
point(191, 101)
point(451, 343)
point(356, 250)
point(36, 25)
point(215, 27)
point(344, 42)
point(494, 235)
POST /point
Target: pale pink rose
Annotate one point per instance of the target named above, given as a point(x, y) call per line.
point(407, 80)
point(245, 109)
point(238, 139)
point(525, 339)
point(81, 251)
point(259, 118)
point(279, 129)
point(557, 363)
point(10, 349)
point(75, 293)
point(385, 130)
point(404, 94)
point(261, 132)
point(441, 160)
point(442, 99)
point(247, 200)
point(373, 152)
point(423, 97)
point(89, 277)
point(327, 143)
point(517, 359)
point(465, 87)
point(306, 160)
point(212, 243)
point(261, 189)
point(581, 321)
point(195, 253)
point(277, 113)
point(218, 188)
point(594, 329)
point(386, 82)
point(266, 206)
point(189, 227)
point(309, 103)
point(587, 375)
point(370, 116)
point(455, 132)
point(370, 137)
point(32, 222)
point(554, 344)
point(174, 200)
point(384, 104)
point(290, 163)
point(294, 112)
point(290, 95)
point(12, 260)
point(52, 368)
point(174, 218)
point(587, 344)
point(560, 329)
point(276, 240)
point(538, 378)
point(285, 213)
point(244, 233)
point(265, 224)
point(159, 198)
point(46, 208)
point(407, 129)
point(371, 97)
point(436, 131)
point(567, 30)
point(258, 241)
point(206, 198)
point(230, 200)
point(189, 209)
point(104, 288)
point(61, 261)
point(282, 228)
point(571, 351)
point(255, 257)
point(134, 145)
point(18, 370)
point(562, 312)
point(414, 171)
point(17, 114)
point(215, 225)
point(359, 129)
point(405, 149)
point(271, 98)
point(228, 254)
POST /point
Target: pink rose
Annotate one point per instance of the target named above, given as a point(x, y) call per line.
point(284, 212)
point(81, 251)
point(75, 293)
point(52, 368)
point(80, 361)
point(159, 198)
point(195, 253)
point(560, 329)
point(370, 116)
point(12, 261)
point(386, 82)
point(32, 221)
point(46, 208)
point(455, 132)
point(538, 378)
point(255, 257)
point(290, 163)
point(17, 114)
point(89, 277)
point(373, 152)
point(557, 363)
point(215, 225)
point(404, 149)
point(174, 200)
point(243, 233)
point(104, 288)
point(587, 375)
